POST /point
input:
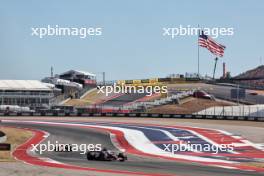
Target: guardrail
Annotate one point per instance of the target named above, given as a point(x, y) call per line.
point(138, 115)
point(161, 101)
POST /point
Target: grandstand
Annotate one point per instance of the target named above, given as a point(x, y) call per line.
point(73, 84)
point(85, 78)
point(30, 93)
point(68, 88)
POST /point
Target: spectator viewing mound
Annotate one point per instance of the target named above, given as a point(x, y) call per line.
point(253, 79)
point(188, 106)
point(255, 73)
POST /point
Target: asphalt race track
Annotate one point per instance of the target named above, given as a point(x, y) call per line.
point(136, 164)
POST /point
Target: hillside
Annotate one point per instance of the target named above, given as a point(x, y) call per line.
point(252, 74)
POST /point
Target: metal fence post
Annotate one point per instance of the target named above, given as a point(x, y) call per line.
point(214, 110)
point(243, 111)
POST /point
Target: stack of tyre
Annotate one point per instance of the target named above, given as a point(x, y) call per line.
point(2, 137)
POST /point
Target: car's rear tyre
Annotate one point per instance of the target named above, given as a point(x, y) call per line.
point(122, 157)
point(89, 156)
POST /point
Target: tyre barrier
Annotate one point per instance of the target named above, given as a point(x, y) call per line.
point(135, 115)
point(2, 137)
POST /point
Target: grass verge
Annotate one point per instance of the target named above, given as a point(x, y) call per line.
point(15, 137)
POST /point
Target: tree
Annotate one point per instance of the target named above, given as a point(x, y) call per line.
point(228, 75)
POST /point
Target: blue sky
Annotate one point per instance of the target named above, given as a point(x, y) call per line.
point(132, 45)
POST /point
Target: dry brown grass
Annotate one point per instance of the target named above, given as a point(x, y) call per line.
point(15, 137)
point(255, 164)
point(91, 98)
point(77, 102)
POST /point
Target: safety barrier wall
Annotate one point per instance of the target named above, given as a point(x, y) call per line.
point(138, 115)
point(241, 110)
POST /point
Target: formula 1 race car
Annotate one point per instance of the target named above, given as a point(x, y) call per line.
point(106, 155)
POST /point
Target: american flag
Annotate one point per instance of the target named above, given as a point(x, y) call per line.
point(214, 47)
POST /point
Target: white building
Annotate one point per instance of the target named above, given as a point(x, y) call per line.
point(30, 93)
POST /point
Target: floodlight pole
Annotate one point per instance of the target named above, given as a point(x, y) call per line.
point(103, 78)
point(51, 72)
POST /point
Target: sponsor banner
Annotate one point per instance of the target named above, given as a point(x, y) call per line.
point(155, 115)
point(166, 115)
point(132, 115)
point(219, 117)
point(154, 80)
point(145, 81)
point(144, 115)
point(129, 82)
point(89, 81)
point(209, 117)
point(188, 116)
point(121, 82)
point(178, 115)
point(241, 118)
point(5, 147)
point(164, 79)
point(136, 81)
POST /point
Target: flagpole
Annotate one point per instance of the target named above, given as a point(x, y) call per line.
point(198, 53)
